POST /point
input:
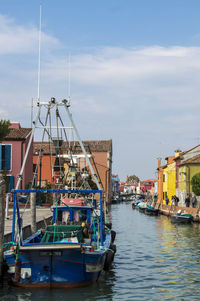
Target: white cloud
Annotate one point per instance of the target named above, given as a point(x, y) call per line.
point(18, 39)
point(138, 96)
point(3, 114)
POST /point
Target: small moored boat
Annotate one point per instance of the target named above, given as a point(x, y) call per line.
point(182, 219)
point(142, 207)
point(151, 211)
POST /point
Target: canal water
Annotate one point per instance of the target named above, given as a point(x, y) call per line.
point(155, 260)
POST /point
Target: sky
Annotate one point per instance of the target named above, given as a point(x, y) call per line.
point(134, 72)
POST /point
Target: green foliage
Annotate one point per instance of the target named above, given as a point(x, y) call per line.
point(195, 182)
point(132, 179)
point(4, 129)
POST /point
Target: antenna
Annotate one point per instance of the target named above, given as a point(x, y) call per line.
point(69, 77)
point(39, 50)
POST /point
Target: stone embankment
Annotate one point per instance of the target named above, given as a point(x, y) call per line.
point(172, 210)
point(44, 217)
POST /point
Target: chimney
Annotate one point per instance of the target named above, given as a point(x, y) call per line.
point(177, 152)
point(159, 162)
point(15, 125)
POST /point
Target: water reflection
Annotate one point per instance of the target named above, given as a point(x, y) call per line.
point(155, 260)
point(178, 250)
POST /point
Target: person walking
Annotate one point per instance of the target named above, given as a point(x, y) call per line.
point(166, 200)
point(187, 200)
point(173, 200)
point(176, 200)
point(194, 201)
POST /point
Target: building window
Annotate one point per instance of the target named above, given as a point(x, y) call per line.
point(5, 157)
point(164, 195)
point(9, 183)
point(163, 178)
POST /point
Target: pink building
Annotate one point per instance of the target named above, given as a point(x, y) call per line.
point(12, 152)
point(148, 185)
point(121, 187)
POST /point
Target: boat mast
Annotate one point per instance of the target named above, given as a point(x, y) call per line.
point(39, 54)
point(81, 143)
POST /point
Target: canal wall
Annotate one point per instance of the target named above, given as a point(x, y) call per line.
point(172, 210)
point(26, 231)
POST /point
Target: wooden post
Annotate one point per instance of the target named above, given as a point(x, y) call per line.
point(54, 198)
point(33, 212)
point(2, 218)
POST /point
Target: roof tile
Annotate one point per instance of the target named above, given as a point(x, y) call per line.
point(18, 134)
point(193, 160)
point(94, 145)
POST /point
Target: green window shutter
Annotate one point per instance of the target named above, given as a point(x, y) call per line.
point(7, 157)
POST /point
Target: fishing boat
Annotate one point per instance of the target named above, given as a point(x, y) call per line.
point(74, 249)
point(63, 255)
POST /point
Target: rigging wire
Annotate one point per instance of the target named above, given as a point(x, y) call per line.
point(50, 148)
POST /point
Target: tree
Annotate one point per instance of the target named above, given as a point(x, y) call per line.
point(132, 179)
point(4, 129)
point(196, 184)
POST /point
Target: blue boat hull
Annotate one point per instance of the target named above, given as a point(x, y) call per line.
point(57, 267)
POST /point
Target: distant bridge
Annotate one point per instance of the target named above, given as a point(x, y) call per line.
point(130, 194)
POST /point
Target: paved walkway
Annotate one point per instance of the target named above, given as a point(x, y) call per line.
point(41, 213)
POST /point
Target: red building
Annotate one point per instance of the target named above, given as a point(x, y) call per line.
point(12, 152)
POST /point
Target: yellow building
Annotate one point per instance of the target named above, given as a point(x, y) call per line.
point(183, 181)
point(177, 176)
point(187, 170)
point(164, 183)
point(169, 179)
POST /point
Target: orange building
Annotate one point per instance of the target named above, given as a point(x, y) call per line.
point(99, 153)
